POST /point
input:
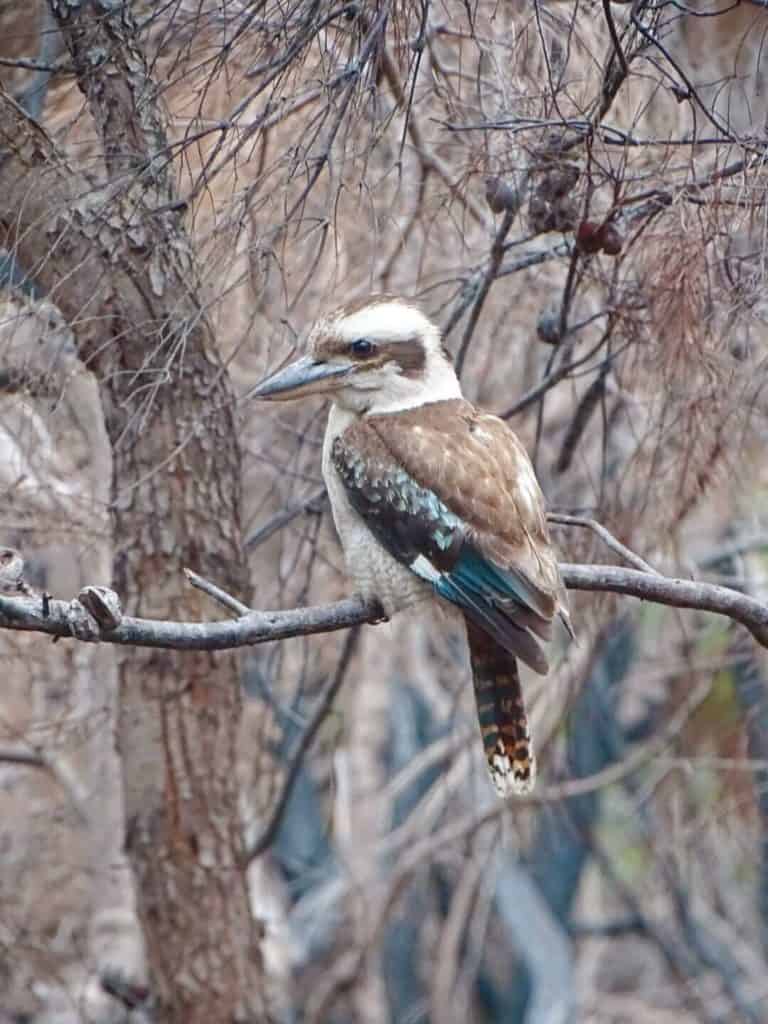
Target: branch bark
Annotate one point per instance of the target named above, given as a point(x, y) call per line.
point(260, 627)
point(111, 251)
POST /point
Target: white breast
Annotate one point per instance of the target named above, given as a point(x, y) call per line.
point(376, 574)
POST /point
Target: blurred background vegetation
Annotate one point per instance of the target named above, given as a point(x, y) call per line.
point(576, 192)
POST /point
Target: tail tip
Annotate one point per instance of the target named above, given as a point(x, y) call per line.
point(512, 776)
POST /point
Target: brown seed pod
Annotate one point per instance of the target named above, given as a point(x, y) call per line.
point(566, 213)
point(540, 216)
point(560, 215)
point(611, 239)
point(548, 327)
point(560, 180)
point(500, 196)
point(588, 237)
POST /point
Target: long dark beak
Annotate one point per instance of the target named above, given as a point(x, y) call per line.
point(305, 376)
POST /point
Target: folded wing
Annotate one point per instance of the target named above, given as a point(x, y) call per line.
point(451, 494)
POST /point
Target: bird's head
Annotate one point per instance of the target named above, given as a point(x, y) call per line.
point(380, 356)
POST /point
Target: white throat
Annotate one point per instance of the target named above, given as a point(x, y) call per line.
point(437, 384)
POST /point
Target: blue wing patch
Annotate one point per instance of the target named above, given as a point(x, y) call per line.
point(477, 571)
point(494, 601)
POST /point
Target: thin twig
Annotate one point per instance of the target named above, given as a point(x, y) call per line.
point(561, 372)
point(22, 756)
point(217, 593)
point(31, 757)
point(691, 92)
point(429, 161)
point(309, 504)
point(606, 537)
point(615, 38)
point(29, 64)
point(489, 276)
point(592, 398)
point(322, 707)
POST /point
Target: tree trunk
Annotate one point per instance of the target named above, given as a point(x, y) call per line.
point(114, 257)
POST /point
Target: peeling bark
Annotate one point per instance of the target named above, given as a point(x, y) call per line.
point(122, 272)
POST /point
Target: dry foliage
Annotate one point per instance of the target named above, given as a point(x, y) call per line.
point(323, 152)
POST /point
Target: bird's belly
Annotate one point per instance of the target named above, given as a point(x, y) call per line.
point(377, 574)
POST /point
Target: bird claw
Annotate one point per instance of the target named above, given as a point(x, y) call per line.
point(378, 614)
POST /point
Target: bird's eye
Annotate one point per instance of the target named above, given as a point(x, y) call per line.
point(362, 347)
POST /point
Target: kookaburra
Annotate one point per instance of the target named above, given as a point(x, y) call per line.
point(434, 499)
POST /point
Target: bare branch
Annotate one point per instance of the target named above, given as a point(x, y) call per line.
point(217, 593)
point(676, 593)
point(312, 503)
point(63, 620)
point(22, 756)
point(605, 536)
point(490, 274)
point(258, 627)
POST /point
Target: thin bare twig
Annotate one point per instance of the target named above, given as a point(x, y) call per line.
point(322, 707)
point(22, 756)
point(605, 536)
point(549, 381)
point(429, 161)
point(490, 274)
point(414, 854)
point(691, 92)
point(217, 593)
point(592, 398)
point(33, 757)
point(615, 38)
point(309, 504)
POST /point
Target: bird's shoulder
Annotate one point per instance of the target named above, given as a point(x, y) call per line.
point(472, 460)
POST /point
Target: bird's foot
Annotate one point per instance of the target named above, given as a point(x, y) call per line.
point(379, 614)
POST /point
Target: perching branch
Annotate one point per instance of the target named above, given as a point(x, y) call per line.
point(66, 619)
point(706, 597)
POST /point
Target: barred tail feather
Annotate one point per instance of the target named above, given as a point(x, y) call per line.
point(501, 713)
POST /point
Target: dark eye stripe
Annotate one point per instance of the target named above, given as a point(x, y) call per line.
point(410, 355)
